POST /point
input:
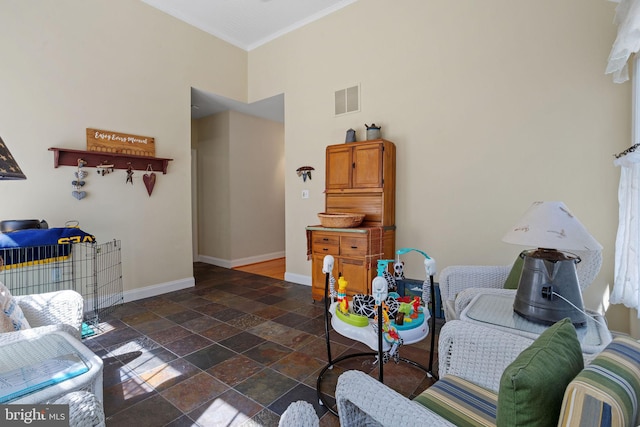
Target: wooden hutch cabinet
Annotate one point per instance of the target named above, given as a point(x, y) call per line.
point(360, 178)
point(357, 166)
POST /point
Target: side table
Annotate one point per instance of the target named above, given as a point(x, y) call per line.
point(37, 359)
point(496, 311)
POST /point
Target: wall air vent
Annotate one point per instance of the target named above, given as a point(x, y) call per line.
point(347, 100)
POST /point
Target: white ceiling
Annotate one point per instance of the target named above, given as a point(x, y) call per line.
point(246, 24)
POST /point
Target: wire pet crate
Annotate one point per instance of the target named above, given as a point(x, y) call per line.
point(91, 269)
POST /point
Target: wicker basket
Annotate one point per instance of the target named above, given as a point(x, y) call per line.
point(340, 220)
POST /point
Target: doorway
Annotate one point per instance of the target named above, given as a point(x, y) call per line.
point(237, 180)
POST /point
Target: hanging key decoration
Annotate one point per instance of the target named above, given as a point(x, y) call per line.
point(129, 174)
point(149, 179)
point(105, 168)
point(78, 183)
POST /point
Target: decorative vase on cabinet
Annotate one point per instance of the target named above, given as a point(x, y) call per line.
point(360, 178)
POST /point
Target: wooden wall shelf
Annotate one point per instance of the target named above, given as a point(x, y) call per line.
point(67, 157)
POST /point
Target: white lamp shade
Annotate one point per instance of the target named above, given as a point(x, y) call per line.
point(551, 225)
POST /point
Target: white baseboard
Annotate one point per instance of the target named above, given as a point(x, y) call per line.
point(240, 261)
point(214, 261)
point(297, 278)
point(255, 259)
point(159, 289)
point(188, 282)
point(289, 277)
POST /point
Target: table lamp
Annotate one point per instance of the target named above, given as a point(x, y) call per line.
point(548, 290)
point(9, 168)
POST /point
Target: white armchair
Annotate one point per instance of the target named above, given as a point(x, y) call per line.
point(55, 320)
point(460, 283)
point(85, 410)
point(299, 414)
point(48, 312)
point(541, 382)
point(472, 352)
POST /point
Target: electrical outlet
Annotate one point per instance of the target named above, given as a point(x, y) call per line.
point(305, 194)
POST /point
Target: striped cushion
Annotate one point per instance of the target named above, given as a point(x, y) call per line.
point(460, 402)
point(606, 392)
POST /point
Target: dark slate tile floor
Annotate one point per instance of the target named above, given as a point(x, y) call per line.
point(235, 350)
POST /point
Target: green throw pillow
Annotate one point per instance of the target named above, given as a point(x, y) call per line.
point(514, 275)
point(533, 385)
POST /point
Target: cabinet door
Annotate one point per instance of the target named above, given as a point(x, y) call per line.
point(339, 166)
point(355, 273)
point(367, 171)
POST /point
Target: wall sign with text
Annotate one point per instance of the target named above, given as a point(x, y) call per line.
point(107, 141)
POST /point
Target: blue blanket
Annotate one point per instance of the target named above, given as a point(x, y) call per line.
point(24, 247)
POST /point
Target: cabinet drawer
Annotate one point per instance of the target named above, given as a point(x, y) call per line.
point(325, 249)
point(353, 246)
point(326, 239)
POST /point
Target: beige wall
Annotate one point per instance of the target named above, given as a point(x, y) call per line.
point(241, 189)
point(257, 188)
point(214, 231)
point(118, 65)
point(492, 105)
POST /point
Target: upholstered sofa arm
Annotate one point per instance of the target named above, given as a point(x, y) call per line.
point(456, 278)
point(477, 353)
point(364, 401)
point(53, 308)
point(606, 392)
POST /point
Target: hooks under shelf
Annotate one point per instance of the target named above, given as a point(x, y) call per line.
point(94, 159)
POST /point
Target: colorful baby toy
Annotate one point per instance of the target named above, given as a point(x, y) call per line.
point(342, 295)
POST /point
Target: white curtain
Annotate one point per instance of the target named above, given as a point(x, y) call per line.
point(626, 287)
point(628, 40)
point(627, 258)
